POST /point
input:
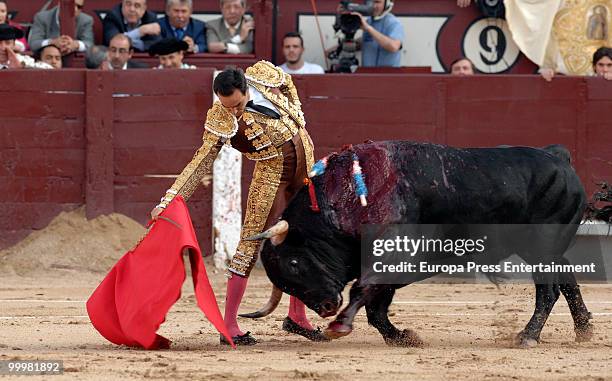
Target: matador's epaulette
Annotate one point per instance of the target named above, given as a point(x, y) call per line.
point(220, 121)
point(266, 73)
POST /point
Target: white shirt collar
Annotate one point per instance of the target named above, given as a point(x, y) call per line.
point(111, 66)
point(259, 99)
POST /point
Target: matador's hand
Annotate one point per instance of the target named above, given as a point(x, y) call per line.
point(156, 212)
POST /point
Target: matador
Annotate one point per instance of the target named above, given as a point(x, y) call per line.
point(258, 113)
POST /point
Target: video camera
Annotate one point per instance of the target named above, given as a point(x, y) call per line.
point(348, 23)
point(343, 59)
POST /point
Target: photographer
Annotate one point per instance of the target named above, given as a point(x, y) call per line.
point(383, 35)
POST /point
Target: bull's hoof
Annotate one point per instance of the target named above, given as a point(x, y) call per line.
point(584, 333)
point(337, 329)
point(524, 341)
point(405, 338)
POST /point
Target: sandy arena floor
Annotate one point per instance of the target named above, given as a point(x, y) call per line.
point(467, 330)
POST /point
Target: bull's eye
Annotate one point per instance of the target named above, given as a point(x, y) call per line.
point(293, 267)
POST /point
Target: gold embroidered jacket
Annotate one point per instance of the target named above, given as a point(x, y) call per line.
point(258, 136)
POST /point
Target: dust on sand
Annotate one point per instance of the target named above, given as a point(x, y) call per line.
point(72, 243)
point(467, 329)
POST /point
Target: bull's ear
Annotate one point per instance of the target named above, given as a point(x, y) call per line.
point(295, 237)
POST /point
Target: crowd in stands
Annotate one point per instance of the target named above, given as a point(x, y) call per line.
point(127, 28)
point(130, 27)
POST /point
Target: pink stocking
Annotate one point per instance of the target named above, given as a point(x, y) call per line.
point(235, 290)
point(297, 313)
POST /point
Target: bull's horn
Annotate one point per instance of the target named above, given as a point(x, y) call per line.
point(278, 229)
point(266, 310)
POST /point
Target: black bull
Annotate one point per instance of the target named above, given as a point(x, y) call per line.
point(414, 183)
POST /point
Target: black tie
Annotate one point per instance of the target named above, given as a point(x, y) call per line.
point(263, 110)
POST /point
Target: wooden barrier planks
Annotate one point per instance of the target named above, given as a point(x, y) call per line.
point(114, 141)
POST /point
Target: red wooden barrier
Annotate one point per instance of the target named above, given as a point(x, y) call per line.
point(104, 139)
point(42, 149)
point(114, 140)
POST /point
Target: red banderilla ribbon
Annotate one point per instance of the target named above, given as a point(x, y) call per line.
point(314, 205)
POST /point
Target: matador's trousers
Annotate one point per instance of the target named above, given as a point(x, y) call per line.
point(275, 181)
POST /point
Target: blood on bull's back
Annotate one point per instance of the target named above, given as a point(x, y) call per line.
point(411, 182)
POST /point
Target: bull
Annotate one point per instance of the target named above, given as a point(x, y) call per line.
point(314, 255)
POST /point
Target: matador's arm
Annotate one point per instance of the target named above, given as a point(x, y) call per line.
point(220, 125)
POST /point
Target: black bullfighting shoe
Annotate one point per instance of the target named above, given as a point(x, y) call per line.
point(245, 339)
point(311, 334)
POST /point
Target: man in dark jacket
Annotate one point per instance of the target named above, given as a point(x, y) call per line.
point(179, 24)
point(132, 19)
point(120, 54)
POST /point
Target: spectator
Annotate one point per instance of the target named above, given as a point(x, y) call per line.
point(51, 55)
point(383, 35)
point(97, 58)
point(21, 45)
point(179, 24)
point(462, 66)
point(233, 32)
point(132, 18)
point(120, 53)
point(602, 63)
point(293, 50)
point(8, 58)
point(46, 31)
point(171, 53)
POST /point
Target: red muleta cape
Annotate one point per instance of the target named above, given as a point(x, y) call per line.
point(132, 301)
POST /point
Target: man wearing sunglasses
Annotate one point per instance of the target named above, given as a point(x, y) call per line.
point(46, 31)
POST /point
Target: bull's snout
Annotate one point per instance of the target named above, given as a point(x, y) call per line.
point(330, 307)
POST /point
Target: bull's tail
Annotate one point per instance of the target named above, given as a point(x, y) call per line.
point(266, 310)
point(603, 213)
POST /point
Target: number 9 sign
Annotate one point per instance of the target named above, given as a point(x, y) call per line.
point(488, 44)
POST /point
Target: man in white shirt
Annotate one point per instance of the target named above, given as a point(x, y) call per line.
point(293, 50)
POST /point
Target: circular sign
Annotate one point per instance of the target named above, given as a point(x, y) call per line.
point(489, 45)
